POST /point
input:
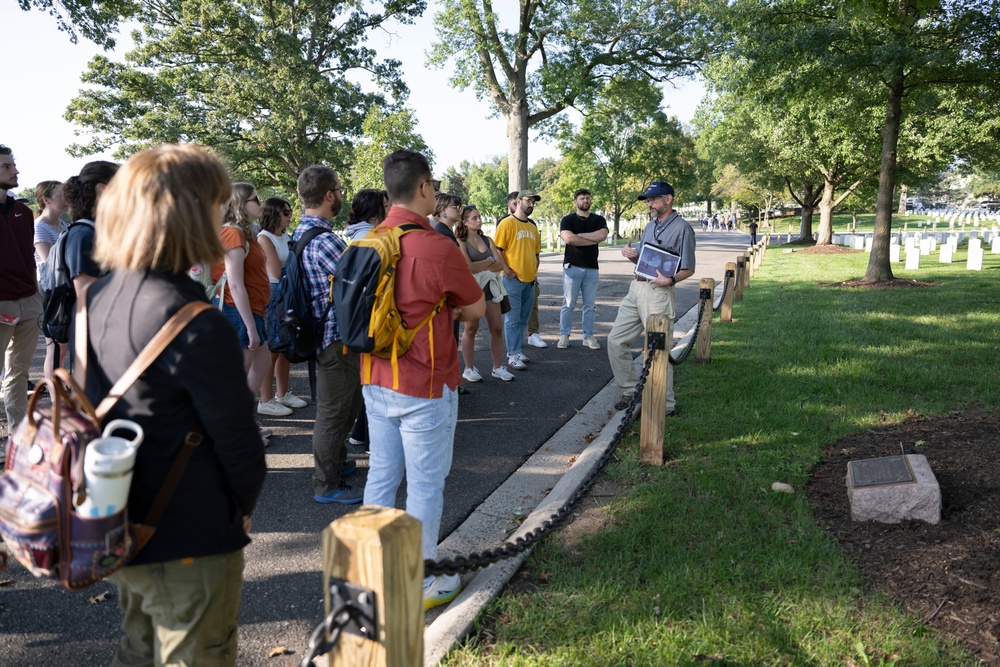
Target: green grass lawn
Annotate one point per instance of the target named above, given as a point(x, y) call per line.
point(701, 562)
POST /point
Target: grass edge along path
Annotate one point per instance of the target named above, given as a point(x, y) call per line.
point(700, 562)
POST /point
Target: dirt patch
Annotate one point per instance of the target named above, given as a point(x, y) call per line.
point(828, 249)
point(590, 515)
point(946, 574)
point(895, 283)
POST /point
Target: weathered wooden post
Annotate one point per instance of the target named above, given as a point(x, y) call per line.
point(378, 549)
point(703, 344)
point(654, 392)
point(726, 312)
point(751, 265)
point(740, 278)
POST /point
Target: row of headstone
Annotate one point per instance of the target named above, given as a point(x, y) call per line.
point(917, 245)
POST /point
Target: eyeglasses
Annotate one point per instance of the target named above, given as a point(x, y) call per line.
point(254, 199)
point(458, 206)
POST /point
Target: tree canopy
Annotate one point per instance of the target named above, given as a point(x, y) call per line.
point(264, 84)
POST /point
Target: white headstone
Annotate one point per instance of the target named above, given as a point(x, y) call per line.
point(894, 252)
point(868, 243)
point(946, 253)
point(859, 242)
point(996, 244)
point(975, 261)
point(925, 246)
point(933, 243)
point(909, 243)
point(912, 259)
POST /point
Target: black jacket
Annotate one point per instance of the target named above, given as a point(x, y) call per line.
point(199, 376)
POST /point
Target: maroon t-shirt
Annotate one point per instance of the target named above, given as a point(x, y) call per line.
point(430, 266)
point(17, 251)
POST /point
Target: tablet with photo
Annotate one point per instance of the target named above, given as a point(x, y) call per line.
point(653, 259)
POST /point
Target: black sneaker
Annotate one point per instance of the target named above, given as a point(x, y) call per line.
point(348, 467)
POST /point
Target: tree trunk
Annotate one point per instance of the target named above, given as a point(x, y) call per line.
point(825, 232)
point(808, 201)
point(517, 147)
point(879, 266)
point(901, 208)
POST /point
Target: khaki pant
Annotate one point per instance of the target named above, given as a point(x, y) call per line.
point(642, 300)
point(19, 342)
point(182, 613)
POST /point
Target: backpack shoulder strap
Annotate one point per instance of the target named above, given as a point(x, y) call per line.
point(306, 237)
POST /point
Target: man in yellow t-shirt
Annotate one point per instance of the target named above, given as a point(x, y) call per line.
point(519, 241)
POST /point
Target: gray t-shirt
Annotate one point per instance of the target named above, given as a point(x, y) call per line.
point(674, 235)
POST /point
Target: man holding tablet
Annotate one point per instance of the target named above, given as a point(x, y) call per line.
point(668, 235)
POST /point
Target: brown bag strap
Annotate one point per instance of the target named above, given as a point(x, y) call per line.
point(192, 440)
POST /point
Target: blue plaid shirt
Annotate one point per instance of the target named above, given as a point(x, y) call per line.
point(319, 261)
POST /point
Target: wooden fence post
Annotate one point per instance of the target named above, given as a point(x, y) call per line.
point(747, 273)
point(726, 312)
point(379, 549)
point(703, 344)
point(654, 394)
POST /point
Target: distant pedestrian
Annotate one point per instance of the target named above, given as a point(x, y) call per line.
point(583, 232)
point(753, 232)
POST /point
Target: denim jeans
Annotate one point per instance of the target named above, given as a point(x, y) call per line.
point(575, 279)
point(522, 299)
point(415, 436)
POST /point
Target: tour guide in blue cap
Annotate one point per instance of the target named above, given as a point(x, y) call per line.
point(670, 232)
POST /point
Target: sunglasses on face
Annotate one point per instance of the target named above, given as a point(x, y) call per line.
point(255, 199)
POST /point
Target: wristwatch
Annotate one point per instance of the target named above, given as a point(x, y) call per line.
point(673, 281)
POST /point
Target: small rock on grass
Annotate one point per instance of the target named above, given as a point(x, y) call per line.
point(781, 487)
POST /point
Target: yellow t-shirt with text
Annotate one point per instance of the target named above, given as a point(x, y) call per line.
point(521, 243)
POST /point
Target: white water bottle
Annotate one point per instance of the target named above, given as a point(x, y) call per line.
point(107, 469)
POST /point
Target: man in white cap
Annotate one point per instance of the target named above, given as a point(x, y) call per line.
point(651, 296)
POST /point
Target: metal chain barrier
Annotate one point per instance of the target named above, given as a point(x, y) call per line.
point(472, 562)
point(326, 634)
point(725, 288)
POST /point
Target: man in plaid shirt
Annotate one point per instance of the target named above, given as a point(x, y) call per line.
point(338, 373)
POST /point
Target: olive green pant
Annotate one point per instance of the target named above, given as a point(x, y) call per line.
point(181, 613)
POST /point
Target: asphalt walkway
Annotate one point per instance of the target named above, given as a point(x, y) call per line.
point(563, 393)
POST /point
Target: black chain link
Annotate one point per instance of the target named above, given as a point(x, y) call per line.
point(327, 633)
point(472, 562)
point(694, 336)
point(725, 289)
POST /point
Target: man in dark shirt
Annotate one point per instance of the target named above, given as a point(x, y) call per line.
point(582, 232)
point(20, 303)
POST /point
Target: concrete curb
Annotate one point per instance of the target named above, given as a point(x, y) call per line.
point(495, 521)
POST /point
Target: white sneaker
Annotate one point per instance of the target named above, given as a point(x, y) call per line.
point(563, 342)
point(535, 340)
point(472, 374)
point(441, 590)
point(503, 374)
point(523, 358)
point(591, 342)
point(291, 400)
point(516, 363)
point(273, 409)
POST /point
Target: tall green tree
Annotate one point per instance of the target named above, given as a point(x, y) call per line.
point(901, 49)
point(627, 141)
point(383, 131)
point(96, 21)
point(487, 184)
point(559, 52)
point(265, 84)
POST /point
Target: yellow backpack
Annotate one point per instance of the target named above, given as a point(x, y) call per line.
point(364, 299)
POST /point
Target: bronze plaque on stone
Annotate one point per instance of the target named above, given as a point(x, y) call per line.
point(879, 472)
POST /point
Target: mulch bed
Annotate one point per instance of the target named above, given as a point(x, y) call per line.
point(946, 574)
point(895, 283)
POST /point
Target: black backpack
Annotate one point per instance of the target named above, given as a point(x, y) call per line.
point(58, 293)
point(292, 329)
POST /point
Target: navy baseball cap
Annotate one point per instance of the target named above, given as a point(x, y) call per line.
point(657, 189)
